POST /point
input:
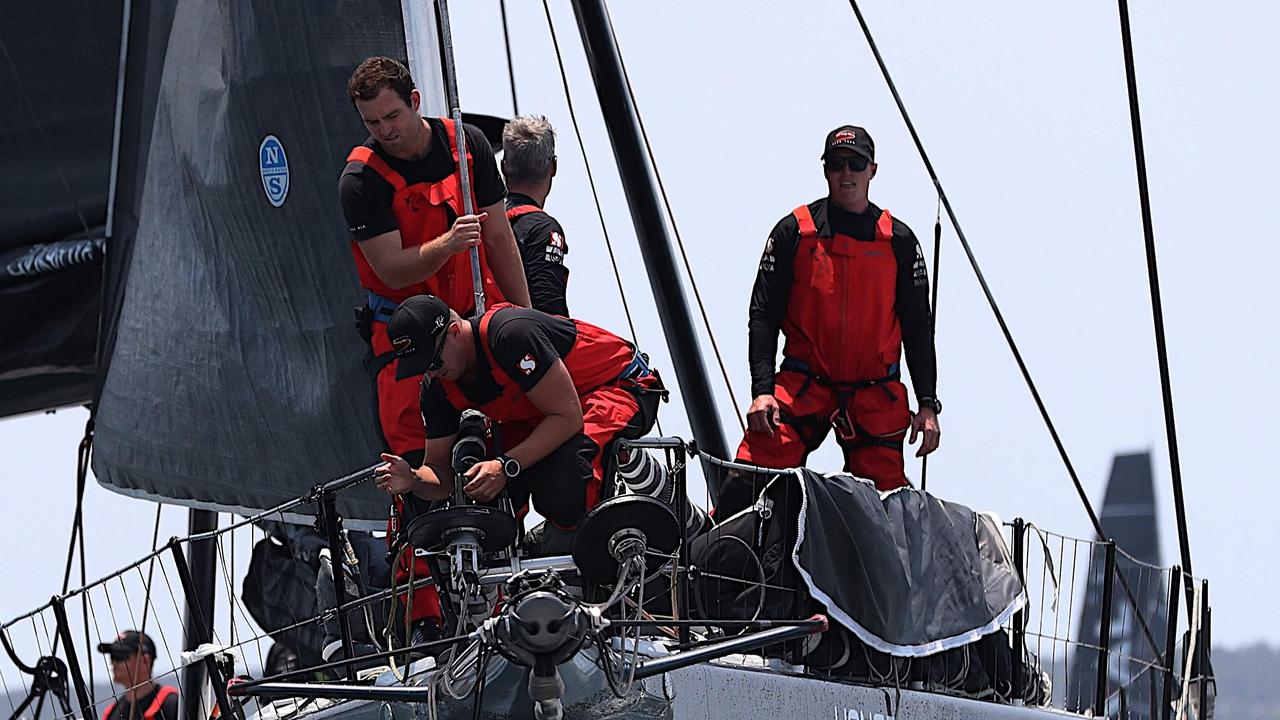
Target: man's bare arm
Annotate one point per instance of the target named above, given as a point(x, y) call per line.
point(400, 267)
point(503, 256)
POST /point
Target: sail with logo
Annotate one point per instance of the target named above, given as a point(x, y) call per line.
point(233, 377)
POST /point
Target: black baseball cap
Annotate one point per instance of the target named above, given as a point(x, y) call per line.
point(415, 329)
point(850, 137)
point(127, 644)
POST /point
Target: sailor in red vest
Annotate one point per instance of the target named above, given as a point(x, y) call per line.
point(562, 391)
point(132, 656)
point(402, 198)
point(846, 284)
point(529, 164)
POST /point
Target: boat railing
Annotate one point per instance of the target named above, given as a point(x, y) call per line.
point(1103, 652)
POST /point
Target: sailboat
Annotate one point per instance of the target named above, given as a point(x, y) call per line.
point(272, 298)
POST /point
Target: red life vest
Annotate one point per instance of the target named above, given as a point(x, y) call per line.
point(517, 211)
point(152, 710)
point(597, 358)
point(840, 319)
point(424, 212)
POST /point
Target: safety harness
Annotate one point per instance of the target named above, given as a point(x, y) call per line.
point(809, 426)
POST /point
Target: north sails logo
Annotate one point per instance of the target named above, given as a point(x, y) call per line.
point(274, 168)
point(844, 136)
point(527, 364)
point(403, 345)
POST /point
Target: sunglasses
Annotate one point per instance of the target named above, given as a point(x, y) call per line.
point(122, 655)
point(856, 163)
point(437, 361)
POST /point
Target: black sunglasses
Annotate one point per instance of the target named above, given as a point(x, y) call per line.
point(437, 361)
point(120, 655)
point(856, 163)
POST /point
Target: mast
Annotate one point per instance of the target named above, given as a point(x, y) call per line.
point(1157, 308)
point(621, 119)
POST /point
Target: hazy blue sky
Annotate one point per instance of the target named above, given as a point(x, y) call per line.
point(1023, 108)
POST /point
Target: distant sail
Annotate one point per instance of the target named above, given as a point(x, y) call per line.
point(234, 376)
point(1129, 517)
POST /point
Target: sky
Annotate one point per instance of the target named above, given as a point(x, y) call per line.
point(1023, 109)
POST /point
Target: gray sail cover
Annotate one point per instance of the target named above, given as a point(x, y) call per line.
point(909, 574)
point(236, 379)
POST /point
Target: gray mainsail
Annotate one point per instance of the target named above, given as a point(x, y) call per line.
point(233, 373)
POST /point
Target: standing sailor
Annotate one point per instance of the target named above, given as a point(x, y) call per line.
point(529, 164)
point(846, 284)
point(402, 196)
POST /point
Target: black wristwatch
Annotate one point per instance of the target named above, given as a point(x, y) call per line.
point(510, 466)
point(932, 403)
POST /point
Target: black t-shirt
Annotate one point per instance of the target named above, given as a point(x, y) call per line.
point(168, 709)
point(542, 247)
point(366, 197)
point(772, 293)
point(525, 343)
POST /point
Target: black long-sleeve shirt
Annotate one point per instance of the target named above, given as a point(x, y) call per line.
point(542, 248)
point(772, 293)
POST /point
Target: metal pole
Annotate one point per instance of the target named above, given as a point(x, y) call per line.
point(1202, 651)
point(332, 525)
point(1157, 311)
point(741, 643)
point(464, 172)
point(1019, 618)
point(73, 662)
point(1171, 643)
point(197, 578)
point(1104, 631)
point(682, 571)
point(651, 230)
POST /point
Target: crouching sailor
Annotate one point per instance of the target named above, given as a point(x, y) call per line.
point(561, 391)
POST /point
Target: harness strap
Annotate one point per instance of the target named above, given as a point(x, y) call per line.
point(382, 307)
point(519, 210)
point(844, 390)
point(375, 163)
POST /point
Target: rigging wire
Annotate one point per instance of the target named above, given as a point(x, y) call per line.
point(973, 262)
point(995, 309)
point(604, 228)
point(1153, 281)
point(511, 68)
point(671, 216)
point(151, 567)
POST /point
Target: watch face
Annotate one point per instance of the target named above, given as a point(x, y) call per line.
point(510, 467)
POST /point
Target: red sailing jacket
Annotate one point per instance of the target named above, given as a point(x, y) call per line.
point(597, 358)
point(422, 212)
point(153, 709)
point(840, 319)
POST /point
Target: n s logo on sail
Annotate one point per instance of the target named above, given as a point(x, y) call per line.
point(274, 168)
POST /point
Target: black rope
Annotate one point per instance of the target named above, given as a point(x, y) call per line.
point(151, 567)
point(604, 229)
point(671, 216)
point(1157, 311)
point(511, 69)
point(933, 307)
point(973, 262)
